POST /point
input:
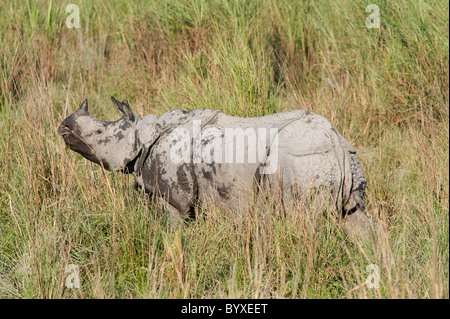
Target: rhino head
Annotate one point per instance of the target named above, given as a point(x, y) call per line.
point(114, 145)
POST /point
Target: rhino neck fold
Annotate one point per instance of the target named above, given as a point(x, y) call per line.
point(130, 167)
point(142, 156)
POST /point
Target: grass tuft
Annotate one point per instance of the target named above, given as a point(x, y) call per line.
point(385, 90)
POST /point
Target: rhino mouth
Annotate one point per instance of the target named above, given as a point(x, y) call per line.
point(76, 143)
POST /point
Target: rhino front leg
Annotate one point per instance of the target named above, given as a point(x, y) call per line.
point(174, 217)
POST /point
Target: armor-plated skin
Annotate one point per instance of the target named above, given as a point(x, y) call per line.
point(312, 157)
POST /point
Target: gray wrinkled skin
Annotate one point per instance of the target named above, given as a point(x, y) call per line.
point(313, 159)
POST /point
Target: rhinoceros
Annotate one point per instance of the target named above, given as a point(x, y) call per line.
point(189, 157)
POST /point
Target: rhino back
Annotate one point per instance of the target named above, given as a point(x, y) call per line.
point(231, 184)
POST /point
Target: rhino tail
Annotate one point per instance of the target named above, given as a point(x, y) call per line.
point(353, 182)
point(354, 197)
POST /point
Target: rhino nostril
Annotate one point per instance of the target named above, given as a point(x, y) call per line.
point(64, 129)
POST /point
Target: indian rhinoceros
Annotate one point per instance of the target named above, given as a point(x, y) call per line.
point(186, 157)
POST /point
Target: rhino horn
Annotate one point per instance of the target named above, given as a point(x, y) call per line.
point(124, 108)
point(84, 106)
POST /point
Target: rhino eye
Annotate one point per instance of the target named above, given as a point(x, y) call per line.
point(99, 131)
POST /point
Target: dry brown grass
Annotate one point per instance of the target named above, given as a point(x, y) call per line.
point(385, 90)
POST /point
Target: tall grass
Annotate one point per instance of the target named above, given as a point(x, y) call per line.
point(385, 90)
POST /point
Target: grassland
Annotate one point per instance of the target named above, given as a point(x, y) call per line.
point(386, 90)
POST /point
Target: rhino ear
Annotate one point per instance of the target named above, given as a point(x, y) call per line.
point(124, 108)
